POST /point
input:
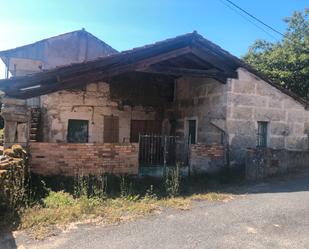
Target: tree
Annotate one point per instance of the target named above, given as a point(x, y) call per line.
point(286, 61)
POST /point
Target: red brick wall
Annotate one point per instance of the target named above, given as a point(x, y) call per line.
point(90, 158)
point(206, 158)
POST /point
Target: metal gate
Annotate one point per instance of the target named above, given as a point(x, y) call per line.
point(157, 150)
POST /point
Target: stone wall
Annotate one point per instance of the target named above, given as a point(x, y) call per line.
point(249, 100)
point(87, 159)
point(90, 104)
point(206, 158)
point(261, 163)
point(203, 100)
point(16, 117)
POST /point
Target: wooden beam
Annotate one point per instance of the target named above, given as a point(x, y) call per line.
point(45, 89)
point(178, 71)
point(212, 59)
point(94, 73)
point(175, 71)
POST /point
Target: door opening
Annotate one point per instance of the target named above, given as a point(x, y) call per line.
point(192, 131)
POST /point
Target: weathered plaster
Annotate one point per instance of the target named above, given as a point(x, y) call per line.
point(90, 104)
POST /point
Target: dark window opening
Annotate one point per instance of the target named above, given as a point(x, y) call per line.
point(192, 131)
point(144, 127)
point(262, 134)
point(78, 131)
point(111, 129)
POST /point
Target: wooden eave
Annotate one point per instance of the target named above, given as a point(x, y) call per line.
point(189, 54)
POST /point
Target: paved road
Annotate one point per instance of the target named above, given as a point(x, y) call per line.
point(272, 215)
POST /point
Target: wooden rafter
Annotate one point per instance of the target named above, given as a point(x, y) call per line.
point(176, 71)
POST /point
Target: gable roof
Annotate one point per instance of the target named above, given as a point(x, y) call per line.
point(16, 50)
point(190, 47)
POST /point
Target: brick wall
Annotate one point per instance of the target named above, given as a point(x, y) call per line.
point(206, 158)
point(91, 158)
point(261, 163)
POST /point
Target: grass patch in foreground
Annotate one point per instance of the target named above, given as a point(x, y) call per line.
point(60, 209)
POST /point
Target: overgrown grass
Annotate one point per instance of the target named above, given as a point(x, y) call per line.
point(60, 209)
point(108, 199)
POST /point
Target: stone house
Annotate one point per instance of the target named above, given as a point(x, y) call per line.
point(183, 100)
point(73, 47)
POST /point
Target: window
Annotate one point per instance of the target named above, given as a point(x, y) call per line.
point(262, 134)
point(111, 129)
point(77, 131)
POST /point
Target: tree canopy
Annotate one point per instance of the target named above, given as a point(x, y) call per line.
point(286, 61)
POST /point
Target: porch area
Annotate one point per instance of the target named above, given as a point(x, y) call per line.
point(158, 106)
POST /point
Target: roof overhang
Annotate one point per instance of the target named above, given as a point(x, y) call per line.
point(186, 55)
point(189, 54)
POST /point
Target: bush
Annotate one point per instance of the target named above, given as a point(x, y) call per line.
point(58, 199)
point(172, 182)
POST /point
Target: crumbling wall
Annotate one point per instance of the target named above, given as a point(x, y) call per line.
point(86, 159)
point(206, 158)
point(16, 117)
point(204, 100)
point(90, 104)
point(249, 100)
point(262, 163)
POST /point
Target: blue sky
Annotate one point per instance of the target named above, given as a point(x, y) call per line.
point(128, 24)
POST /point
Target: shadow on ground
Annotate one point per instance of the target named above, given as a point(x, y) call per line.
point(297, 181)
point(8, 223)
point(7, 241)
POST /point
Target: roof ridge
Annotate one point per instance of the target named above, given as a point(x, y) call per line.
point(3, 52)
point(187, 39)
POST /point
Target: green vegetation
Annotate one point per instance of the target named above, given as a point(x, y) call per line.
point(57, 202)
point(286, 61)
point(60, 209)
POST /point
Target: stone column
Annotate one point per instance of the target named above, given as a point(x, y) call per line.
point(16, 117)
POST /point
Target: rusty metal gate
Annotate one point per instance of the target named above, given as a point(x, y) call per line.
point(157, 150)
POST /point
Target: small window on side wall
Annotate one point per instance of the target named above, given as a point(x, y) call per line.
point(262, 134)
point(77, 131)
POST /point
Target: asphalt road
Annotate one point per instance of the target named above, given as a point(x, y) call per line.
point(271, 215)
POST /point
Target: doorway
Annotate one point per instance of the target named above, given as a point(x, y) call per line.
point(191, 131)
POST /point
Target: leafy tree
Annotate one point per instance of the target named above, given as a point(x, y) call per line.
point(286, 61)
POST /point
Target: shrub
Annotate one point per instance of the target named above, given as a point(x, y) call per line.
point(58, 199)
point(126, 187)
point(172, 182)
